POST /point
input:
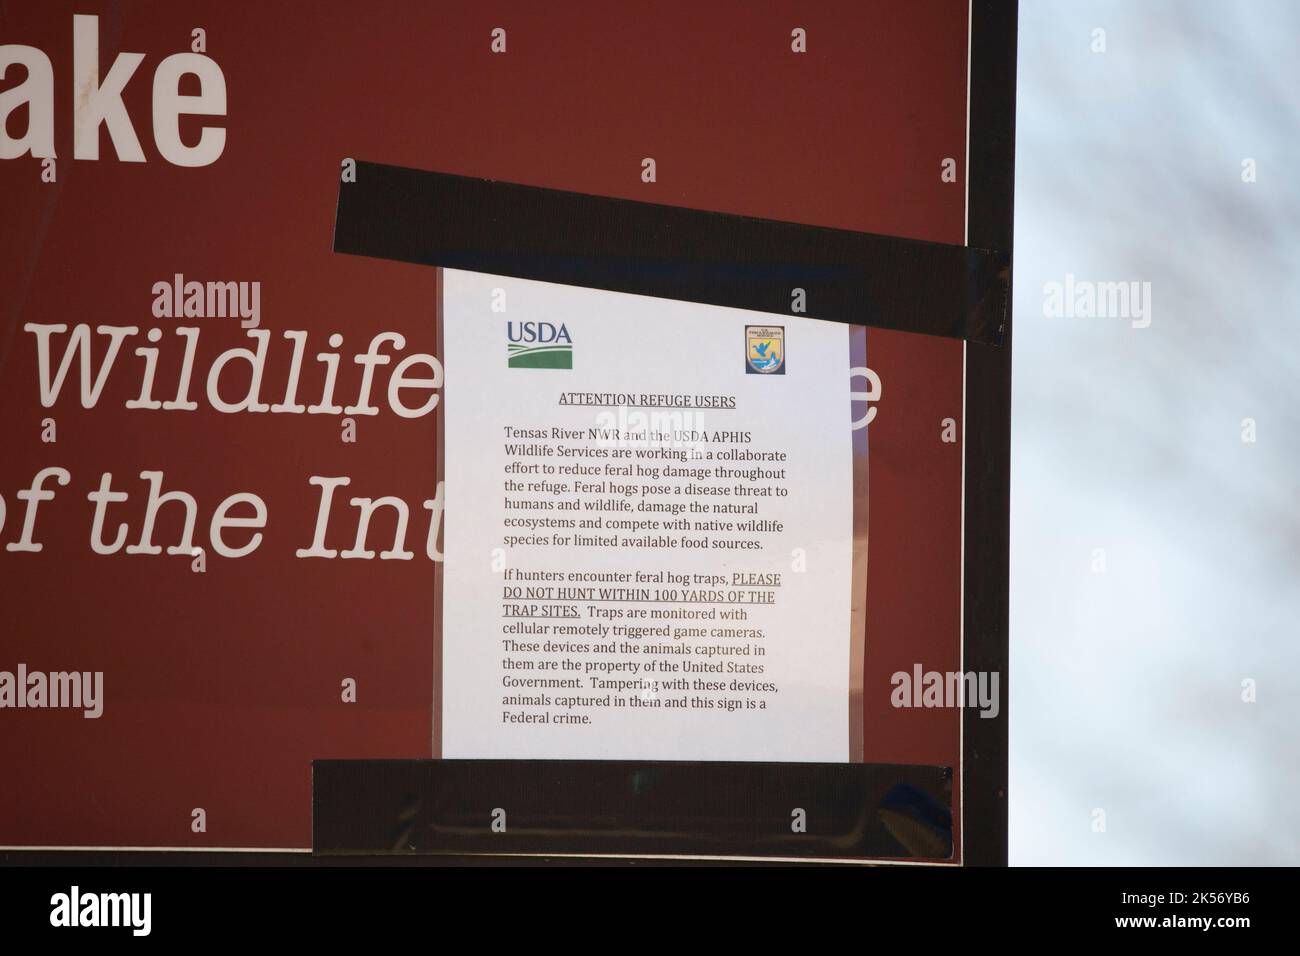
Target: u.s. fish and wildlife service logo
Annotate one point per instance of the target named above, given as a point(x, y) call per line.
point(765, 349)
point(538, 345)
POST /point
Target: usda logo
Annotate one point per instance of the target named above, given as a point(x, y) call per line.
point(538, 345)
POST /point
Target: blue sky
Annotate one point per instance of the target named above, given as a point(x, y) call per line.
point(1128, 441)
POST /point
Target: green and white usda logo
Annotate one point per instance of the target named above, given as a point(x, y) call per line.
point(538, 345)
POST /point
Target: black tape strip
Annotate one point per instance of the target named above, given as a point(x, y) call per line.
point(628, 808)
point(481, 225)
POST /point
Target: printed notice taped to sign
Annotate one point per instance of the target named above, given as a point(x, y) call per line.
point(655, 528)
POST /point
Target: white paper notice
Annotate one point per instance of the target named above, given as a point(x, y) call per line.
point(648, 528)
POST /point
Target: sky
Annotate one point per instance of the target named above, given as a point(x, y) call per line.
point(1155, 489)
